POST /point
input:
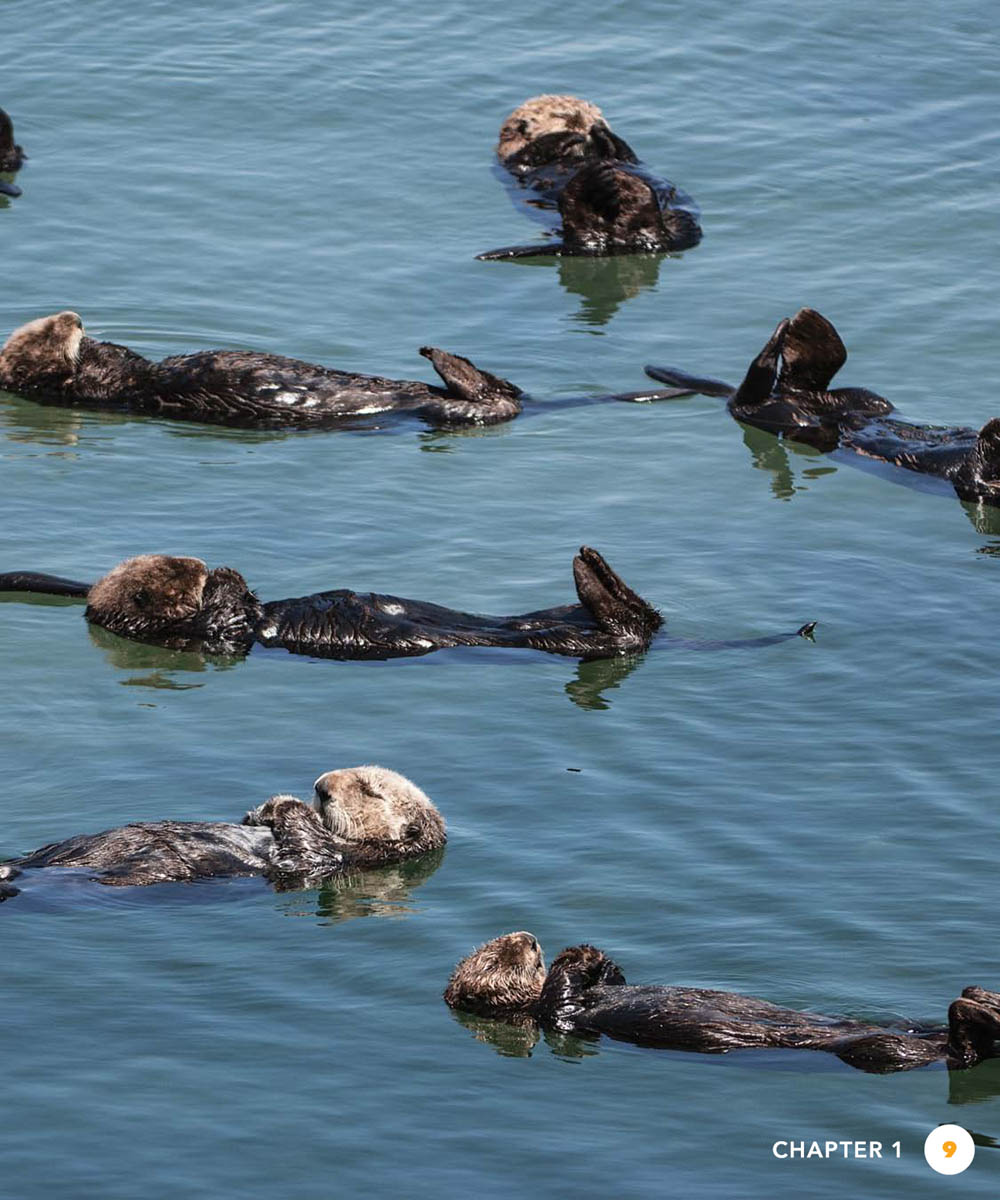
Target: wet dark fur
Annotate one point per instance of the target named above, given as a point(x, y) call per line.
point(282, 839)
point(585, 993)
point(12, 156)
point(238, 387)
point(178, 602)
point(786, 392)
point(608, 203)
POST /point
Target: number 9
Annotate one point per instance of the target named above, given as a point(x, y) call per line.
point(949, 1149)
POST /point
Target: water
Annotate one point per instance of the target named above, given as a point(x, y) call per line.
point(810, 823)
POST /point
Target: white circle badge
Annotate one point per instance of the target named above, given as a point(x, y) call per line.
point(949, 1149)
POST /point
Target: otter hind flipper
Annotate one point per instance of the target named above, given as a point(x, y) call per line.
point(473, 396)
point(615, 607)
point(811, 353)
point(33, 581)
point(607, 144)
point(684, 384)
point(973, 1030)
point(987, 452)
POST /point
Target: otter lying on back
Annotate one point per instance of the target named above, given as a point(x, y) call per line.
point(794, 400)
point(364, 817)
point(561, 148)
point(585, 993)
point(12, 156)
point(179, 602)
point(50, 360)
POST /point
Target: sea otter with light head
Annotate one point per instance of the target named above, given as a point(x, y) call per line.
point(180, 603)
point(585, 993)
point(52, 361)
point(363, 817)
point(561, 148)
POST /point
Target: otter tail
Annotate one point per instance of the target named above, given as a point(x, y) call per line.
point(684, 384)
point(611, 602)
point(51, 585)
point(472, 396)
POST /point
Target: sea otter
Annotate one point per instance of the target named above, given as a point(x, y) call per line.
point(585, 993)
point(12, 156)
point(561, 148)
point(52, 361)
point(180, 603)
point(364, 817)
point(795, 401)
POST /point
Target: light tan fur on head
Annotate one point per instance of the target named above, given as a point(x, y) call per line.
point(151, 585)
point(374, 803)
point(545, 114)
point(47, 345)
point(505, 974)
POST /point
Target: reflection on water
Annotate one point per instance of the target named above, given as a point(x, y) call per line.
point(600, 675)
point(381, 893)
point(975, 1085)
point(606, 283)
point(127, 655)
point(771, 454)
point(337, 898)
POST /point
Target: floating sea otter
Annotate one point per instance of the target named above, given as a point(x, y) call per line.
point(364, 817)
point(585, 993)
point(180, 603)
point(561, 148)
point(794, 400)
point(12, 156)
point(51, 360)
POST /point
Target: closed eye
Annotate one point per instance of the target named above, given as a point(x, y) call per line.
point(411, 832)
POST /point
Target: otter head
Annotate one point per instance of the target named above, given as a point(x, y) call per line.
point(44, 351)
point(543, 116)
point(157, 597)
point(503, 976)
point(373, 804)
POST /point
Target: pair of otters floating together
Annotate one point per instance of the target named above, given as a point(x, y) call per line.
point(368, 817)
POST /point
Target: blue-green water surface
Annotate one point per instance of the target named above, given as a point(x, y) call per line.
point(813, 823)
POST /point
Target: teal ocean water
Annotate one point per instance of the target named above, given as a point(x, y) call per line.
point(813, 823)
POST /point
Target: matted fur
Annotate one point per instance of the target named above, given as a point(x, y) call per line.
point(504, 975)
point(542, 115)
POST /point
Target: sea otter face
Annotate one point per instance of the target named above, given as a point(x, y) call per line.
point(543, 115)
point(504, 975)
point(160, 597)
point(375, 804)
point(43, 351)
